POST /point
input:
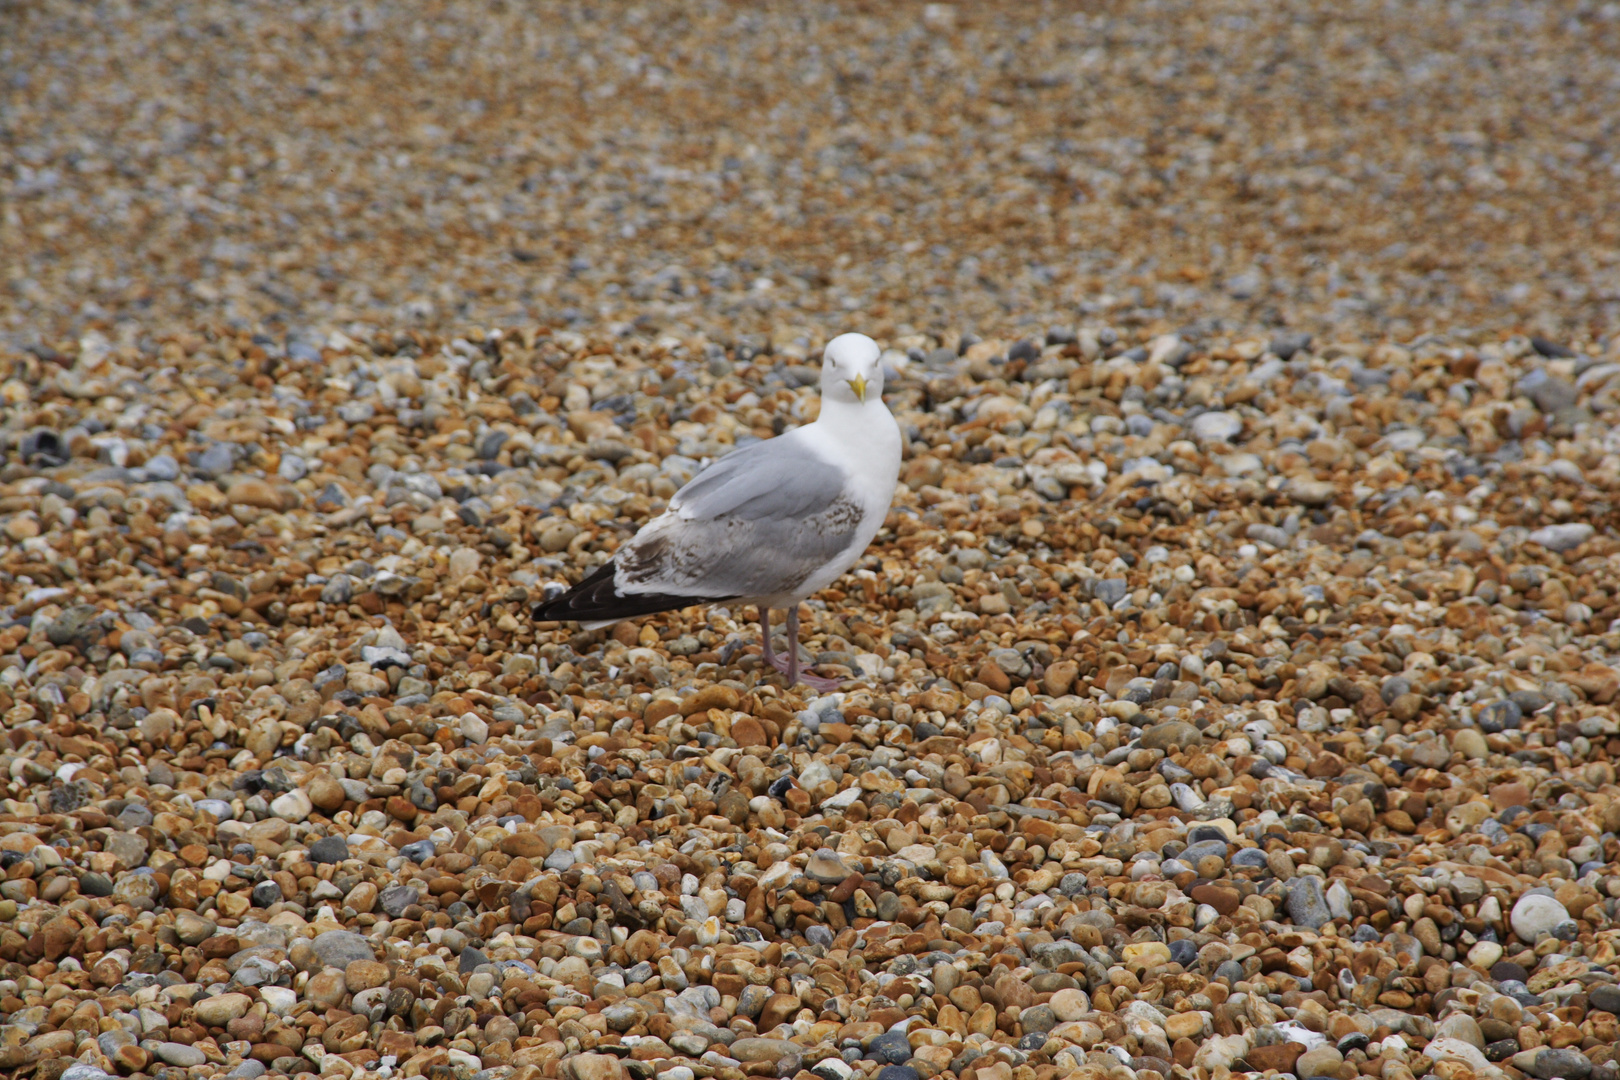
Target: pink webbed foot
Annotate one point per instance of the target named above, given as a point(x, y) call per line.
point(789, 665)
point(814, 682)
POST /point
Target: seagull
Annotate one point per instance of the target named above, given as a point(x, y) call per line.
point(770, 524)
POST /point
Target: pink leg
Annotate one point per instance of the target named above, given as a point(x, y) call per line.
point(794, 675)
point(792, 632)
point(767, 652)
point(789, 665)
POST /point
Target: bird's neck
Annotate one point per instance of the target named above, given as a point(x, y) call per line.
point(856, 422)
point(835, 412)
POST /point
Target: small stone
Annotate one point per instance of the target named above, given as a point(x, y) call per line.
point(890, 1048)
point(1221, 1052)
point(1605, 997)
point(1484, 955)
point(1110, 590)
point(1562, 538)
point(1068, 1005)
point(1307, 906)
point(221, 1010)
point(1562, 1064)
point(339, 590)
point(252, 492)
point(1470, 744)
point(162, 467)
point(1222, 899)
point(192, 929)
point(128, 848)
point(756, 1049)
point(528, 845)
point(897, 1072)
point(464, 563)
point(326, 988)
point(340, 948)
point(362, 975)
point(325, 793)
point(1535, 914)
point(330, 849)
point(363, 897)
point(214, 461)
point(1285, 344)
point(1173, 734)
point(1279, 1057)
point(1508, 971)
point(396, 898)
point(1446, 1048)
point(1460, 1026)
point(826, 867)
point(1500, 716)
point(1549, 392)
point(1060, 677)
point(422, 850)
point(95, 885)
point(1308, 492)
point(77, 625)
point(1213, 427)
point(556, 535)
point(295, 805)
point(474, 728)
point(179, 1054)
point(595, 1067)
point(1147, 953)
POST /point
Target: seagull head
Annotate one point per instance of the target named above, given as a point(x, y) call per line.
point(851, 370)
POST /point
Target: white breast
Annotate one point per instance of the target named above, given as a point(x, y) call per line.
point(863, 441)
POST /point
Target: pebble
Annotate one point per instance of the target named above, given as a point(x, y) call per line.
point(898, 1072)
point(1319, 1061)
point(890, 1048)
point(179, 1054)
point(219, 1011)
point(1606, 998)
point(293, 806)
point(826, 867)
point(1563, 1063)
point(1562, 538)
point(1535, 914)
point(331, 849)
point(1216, 427)
point(1307, 906)
point(340, 948)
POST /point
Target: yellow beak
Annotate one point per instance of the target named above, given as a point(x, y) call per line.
point(858, 384)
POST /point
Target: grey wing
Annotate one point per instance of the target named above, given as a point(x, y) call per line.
point(774, 479)
point(742, 528)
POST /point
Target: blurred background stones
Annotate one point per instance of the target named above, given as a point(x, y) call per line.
point(767, 169)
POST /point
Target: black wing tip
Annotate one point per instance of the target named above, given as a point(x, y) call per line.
point(597, 599)
point(588, 601)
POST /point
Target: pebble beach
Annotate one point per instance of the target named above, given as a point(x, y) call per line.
point(1231, 689)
